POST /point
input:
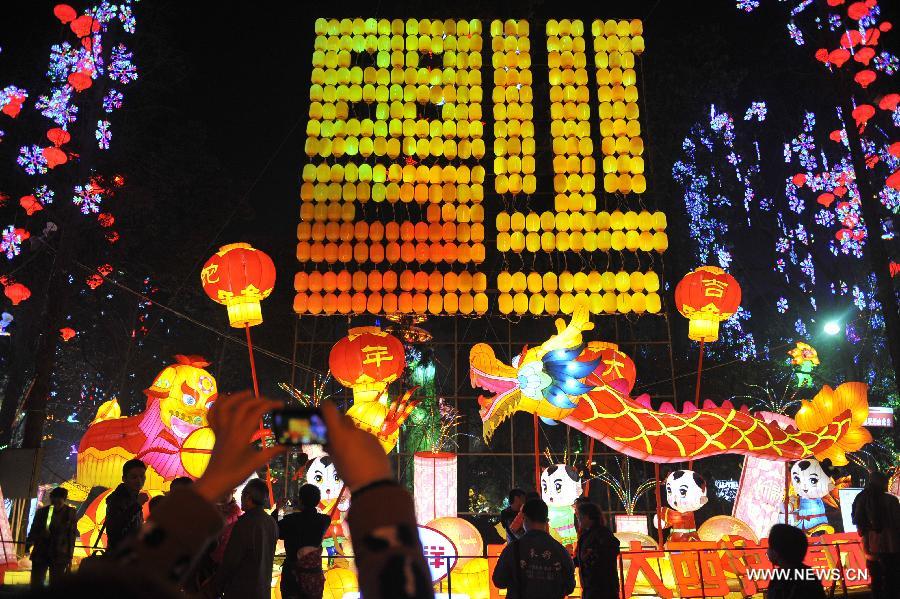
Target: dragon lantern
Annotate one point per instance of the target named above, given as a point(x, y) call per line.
point(549, 380)
point(366, 361)
point(170, 436)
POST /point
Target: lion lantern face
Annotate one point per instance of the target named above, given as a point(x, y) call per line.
point(185, 392)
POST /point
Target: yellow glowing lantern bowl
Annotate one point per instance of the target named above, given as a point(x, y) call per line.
point(701, 329)
point(244, 310)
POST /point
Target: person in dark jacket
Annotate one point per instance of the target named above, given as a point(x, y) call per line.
point(876, 514)
point(52, 537)
point(535, 566)
point(246, 569)
point(596, 554)
point(302, 533)
point(507, 516)
point(125, 505)
point(787, 550)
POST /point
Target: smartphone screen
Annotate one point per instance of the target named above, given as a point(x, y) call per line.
point(299, 426)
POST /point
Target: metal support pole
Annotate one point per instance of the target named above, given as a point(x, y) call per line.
point(262, 438)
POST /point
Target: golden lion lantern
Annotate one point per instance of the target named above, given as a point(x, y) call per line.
point(170, 435)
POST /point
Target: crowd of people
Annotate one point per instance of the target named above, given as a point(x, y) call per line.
point(197, 540)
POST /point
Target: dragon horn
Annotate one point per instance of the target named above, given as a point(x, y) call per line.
point(568, 336)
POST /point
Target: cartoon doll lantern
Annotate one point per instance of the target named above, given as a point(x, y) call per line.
point(685, 493)
point(166, 435)
point(239, 276)
point(560, 487)
point(811, 484)
point(322, 474)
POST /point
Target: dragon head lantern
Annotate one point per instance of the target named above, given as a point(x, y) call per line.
point(366, 361)
point(706, 297)
point(541, 380)
point(239, 276)
point(185, 392)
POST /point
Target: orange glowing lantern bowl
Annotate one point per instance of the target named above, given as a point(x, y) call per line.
point(239, 277)
point(367, 360)
point(706, 297)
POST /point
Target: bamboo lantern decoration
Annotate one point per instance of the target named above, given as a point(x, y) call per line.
point(435, 485)
point(707, 296)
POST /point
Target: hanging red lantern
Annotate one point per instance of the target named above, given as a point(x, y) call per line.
point(80, 80)
point(862, 113)
point(865, 77)
point(366, 361)
point(23, 234)
point(17, 293)
point(799, 179)
point(838, 57)
point(864, 55)
point(67, 333)
point(105, 269)
point(54, 157)
point(857, 10)
point(239, 277)
point(30, 204)
point(94, 281)
point(707, 296)
point(59, 136)
point(889, 102)
point(65, 13)
point(893, 181)
point(106, 219)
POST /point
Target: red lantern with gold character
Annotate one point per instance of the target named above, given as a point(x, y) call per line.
point(239, 276)
point(367, 360)
point(707, 296)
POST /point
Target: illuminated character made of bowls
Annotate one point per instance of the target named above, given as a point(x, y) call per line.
point(706, 297)
point(366, 361)
point(170, 436)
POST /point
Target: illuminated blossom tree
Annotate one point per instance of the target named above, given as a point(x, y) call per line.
point(54, 133)
point(847, 41)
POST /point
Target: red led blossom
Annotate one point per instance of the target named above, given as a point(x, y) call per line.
point(85, 25)
point(106, 219)
point(67, 333)
point(65, 13)
point(80, 80)
point(865, 78)
point(59, 136)
point(94, 281)
point(54, 157)
point(30, 204)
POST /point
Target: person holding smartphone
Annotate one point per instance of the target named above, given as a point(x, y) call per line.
point(382, 519)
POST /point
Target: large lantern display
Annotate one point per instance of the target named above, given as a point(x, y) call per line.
point(829, 426)
point(239, 277)
point(435, 484)
point(706, 297)
point(170, 436)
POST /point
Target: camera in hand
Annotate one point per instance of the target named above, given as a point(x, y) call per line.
point(299, 426)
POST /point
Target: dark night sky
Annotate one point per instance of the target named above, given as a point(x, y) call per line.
point(233, 81)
